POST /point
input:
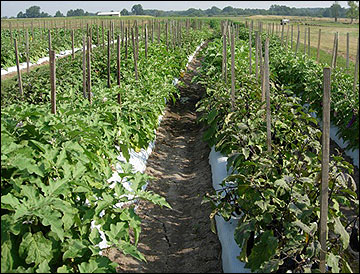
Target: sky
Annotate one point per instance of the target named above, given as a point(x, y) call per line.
point(12, 8)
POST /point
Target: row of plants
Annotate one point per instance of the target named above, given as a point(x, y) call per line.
point(39, 43)
point(304, 77)
point(55, 167)
point(274, 195)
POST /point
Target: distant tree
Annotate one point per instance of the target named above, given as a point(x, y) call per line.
point(335, 10)
point(137, 10)
point(213, 11)
point(77, 12)
point(58, 14)
point(124, 12)
point(33, 12)
point(44, 14)
point(20, 15)
point(228, 9)
point(353, 11)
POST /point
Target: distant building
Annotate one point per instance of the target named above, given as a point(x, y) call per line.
point(109, 13)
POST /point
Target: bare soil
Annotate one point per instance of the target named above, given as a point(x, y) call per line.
point(177, 240)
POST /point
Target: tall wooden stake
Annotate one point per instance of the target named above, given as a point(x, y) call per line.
point(250, 53)
point(72, 45)
point(356, 75)
point(267, 94)
point(224, 63)
point(347, 49)
point(318, 47)
point(134, 53)
point(89, 68)
point(108, 60)
point(232, 72)
point(53, 81)
point(84, 66)
point(27, 51)
point(18, 68)
point(118, 67)
point(325, 167)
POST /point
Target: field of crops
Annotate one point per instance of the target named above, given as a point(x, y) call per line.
point(59, 208)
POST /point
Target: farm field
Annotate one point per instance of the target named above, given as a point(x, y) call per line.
point(328, 29)
point(106, 154)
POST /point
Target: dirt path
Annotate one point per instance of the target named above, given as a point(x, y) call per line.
point(178, 239)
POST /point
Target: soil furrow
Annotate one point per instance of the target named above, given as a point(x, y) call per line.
point(179, 239)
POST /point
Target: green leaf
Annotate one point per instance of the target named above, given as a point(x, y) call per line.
point(36, 248)
point(263, 250)
point(43, 267)
point(211, 116)
point(333, 262)
point(128, 248)
point(75, 249)
point(242, 232)
point(246, 152)
point(340, 229)
point(64, 269)
point(7, 260)
point(9, 199)
point(94, 236)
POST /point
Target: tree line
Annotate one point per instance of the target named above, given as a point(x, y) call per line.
point(335, 11)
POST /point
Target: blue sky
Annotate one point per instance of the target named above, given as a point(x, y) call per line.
point(12, 8)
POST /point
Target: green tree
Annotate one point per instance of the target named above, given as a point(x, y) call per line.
point(335, 10)
point(20, 15)
point(124, 12)
point(137, 10)
point(59, 14)
point(33, 12)
point(77, 12)
point(353, 11)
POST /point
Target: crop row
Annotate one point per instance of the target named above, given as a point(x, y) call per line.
point(55, 167)
point(275, 195)
point(304, 77)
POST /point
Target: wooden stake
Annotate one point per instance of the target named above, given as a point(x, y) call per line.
point(118, 67)
point(84, 66)
point(282, 34)
point(256, 55)
point(232, 72)
point(304, 41)
point(325, 168)
point(49, 42)
point(224, 60)
point(356, 75)
point(347, 49)
point(108, 60)
point(250, 53)
point(134, 53)
point(53, 81)
point(292, 32)
point(318, 47)
point(287, 37)
point(72, 45)
point(89, 68)
point(27, 51)
point(103, 36)
point(146, 41)
point(267, 94)
point(309, 55)
point(297, 41)
point(333, 52)
point(18, 69)
point(126, 43)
